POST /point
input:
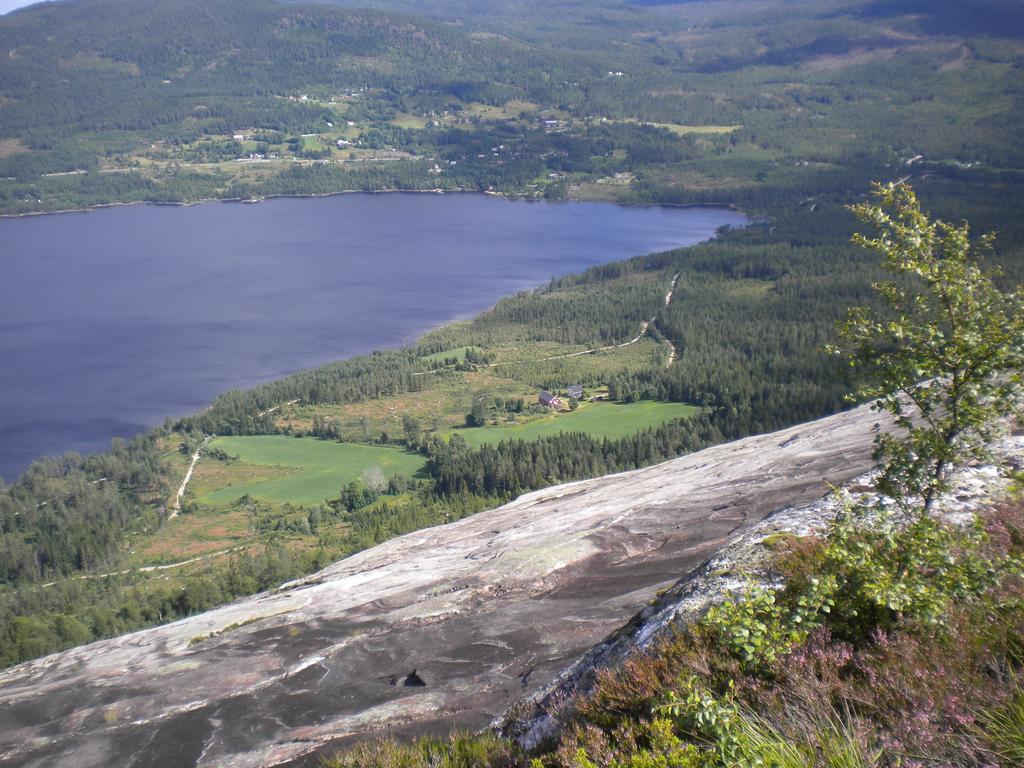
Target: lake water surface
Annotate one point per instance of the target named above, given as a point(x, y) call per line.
point(113, 320)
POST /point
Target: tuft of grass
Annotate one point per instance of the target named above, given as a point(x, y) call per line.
point(458, 751)
point(769, 747)
point(1004, 728)
point(841, 747)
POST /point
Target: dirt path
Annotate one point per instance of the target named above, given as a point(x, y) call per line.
point(643, 330)
point(170, 566)
point(671, 288)
point(176, 506)
point(153, 568)
point(277, 407)
point(672, 354)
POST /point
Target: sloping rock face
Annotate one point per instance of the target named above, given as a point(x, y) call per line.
point(441, 628)
point(747, 558)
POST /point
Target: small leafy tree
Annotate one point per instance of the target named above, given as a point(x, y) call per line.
point(946, 363)
point(886, 570)
point(945, 360)
point(757, 628)
point(478, 414)
point(411, 429)
point(374, 479)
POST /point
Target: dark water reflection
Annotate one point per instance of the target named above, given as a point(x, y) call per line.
point(111, 321)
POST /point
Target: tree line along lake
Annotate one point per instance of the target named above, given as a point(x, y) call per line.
point(113, 320)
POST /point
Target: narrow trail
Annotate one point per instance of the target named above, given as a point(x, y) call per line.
point(176, 507)
point(277, 407)
point(672, 354)
point(643, 332)
point(170, 566)
point(671, 288)
point(154, 568)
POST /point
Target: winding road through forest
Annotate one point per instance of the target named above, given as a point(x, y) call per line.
point(644, 326)
point(176, 506)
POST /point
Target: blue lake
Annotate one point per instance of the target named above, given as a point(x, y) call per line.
point(113, 320)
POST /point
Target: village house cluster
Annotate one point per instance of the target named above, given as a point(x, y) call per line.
point(553, 401)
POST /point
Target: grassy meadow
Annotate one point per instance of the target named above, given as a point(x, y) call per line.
point(600, 420)
point(303, 470)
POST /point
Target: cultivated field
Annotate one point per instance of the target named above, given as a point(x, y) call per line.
point(312, 469)
point(611, 420)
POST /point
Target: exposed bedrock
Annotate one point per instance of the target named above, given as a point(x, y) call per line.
point(746, 559)
point(442, 628)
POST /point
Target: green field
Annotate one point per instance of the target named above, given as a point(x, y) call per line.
point(319, 468)
point(682, 130)
point(459, 353)
point(309, 470)
point(600, 419)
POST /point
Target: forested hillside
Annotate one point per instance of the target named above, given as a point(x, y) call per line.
point(786, 115)
point(174, 100)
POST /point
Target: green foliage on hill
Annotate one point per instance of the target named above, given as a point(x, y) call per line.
point(143, 91)
point(71, 514)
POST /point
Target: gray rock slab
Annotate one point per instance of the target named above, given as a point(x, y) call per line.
point(746, 559)
point(487, 611)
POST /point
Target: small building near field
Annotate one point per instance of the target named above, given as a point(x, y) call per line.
point(575, 391)
point(549, 400)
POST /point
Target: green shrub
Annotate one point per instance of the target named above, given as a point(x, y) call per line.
point(715, 720)
point(757, 627)
point(664, 749)
point(891, 572)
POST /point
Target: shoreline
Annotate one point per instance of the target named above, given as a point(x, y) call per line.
point(301, 195)
point(414, 336)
